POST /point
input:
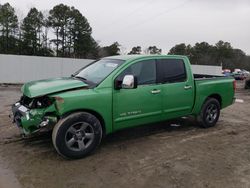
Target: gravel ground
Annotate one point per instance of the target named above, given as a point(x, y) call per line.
point(167, 154)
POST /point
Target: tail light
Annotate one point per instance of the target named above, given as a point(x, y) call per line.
point(234, 85)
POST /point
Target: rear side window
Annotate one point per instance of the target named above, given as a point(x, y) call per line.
point(172, 70)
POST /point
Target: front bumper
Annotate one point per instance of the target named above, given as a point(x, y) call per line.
point(18, 113)
point(30, 120)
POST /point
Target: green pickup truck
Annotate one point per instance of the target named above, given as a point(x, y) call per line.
point(118, 92)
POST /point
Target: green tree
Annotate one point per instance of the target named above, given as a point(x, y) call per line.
point(202, 53)
point(32, 32)
point(179, 49)
point(45, 50)
point(224, 50)
point(79, 35)
point(135, 50)
point(8, 29)
point(113, 49)
point(93, 49)
point(222, 53)
point(73, 32)
point(59, 20)
point(153, 50)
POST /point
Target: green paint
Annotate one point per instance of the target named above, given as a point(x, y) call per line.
point(43, 87)
point(124, 108)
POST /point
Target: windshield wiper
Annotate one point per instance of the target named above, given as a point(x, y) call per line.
point(79, 77)
point(92, 84)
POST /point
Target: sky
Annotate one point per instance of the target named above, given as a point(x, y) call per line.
point(163, 23)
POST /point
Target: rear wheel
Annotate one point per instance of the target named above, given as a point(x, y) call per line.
point(77, 135)
point(210, 113)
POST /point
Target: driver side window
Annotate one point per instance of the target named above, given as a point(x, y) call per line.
point(145, 71)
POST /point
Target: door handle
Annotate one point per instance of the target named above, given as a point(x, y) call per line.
point(155, 91)
point(187, 87)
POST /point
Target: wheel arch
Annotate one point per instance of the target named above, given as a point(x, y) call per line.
point(96, 114)
point(201, 101)
point(215, 96)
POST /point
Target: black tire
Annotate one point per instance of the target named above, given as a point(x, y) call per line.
point(77, 135)
point(210, 113)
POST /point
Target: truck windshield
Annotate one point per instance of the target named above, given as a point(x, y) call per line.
point(98, 71)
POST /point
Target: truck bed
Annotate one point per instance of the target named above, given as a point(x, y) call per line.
point(207, 85)
point(205, 76)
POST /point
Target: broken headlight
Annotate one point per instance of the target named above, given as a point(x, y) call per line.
point(33, 103)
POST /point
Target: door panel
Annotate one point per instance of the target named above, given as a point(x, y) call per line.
point(137, 106)
point(177, 101)
point(177, 89)
point(142, 104)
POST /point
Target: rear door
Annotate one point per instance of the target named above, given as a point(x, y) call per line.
point(142, 104)
point(177, 87)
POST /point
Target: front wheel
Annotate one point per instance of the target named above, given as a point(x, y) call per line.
point(210, 113)
point(77, 135)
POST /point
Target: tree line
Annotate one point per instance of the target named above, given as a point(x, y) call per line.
point(203, 53)
point(30, 36)
point(222, 53)
point(72, 37)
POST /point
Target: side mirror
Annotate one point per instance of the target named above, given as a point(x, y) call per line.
point(129, 82)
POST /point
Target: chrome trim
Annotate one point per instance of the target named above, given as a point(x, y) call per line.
point(128, 82)
point(155, 91)
point(187, 87)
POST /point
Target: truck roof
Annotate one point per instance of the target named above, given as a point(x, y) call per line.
point(134, 57)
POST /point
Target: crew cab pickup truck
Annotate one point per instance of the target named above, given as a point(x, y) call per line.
point(118, 92)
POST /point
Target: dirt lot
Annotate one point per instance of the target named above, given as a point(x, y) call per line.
point(161, 155)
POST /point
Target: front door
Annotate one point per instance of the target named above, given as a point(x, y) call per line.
point(142, 104)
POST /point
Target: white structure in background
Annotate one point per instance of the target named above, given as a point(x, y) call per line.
point(21, 69)
point(206, 69)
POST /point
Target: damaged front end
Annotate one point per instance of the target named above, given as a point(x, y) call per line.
point(37, 110)
point(33, 115)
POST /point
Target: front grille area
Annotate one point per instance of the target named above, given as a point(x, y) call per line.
point(33, 103)
point(26, 101)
